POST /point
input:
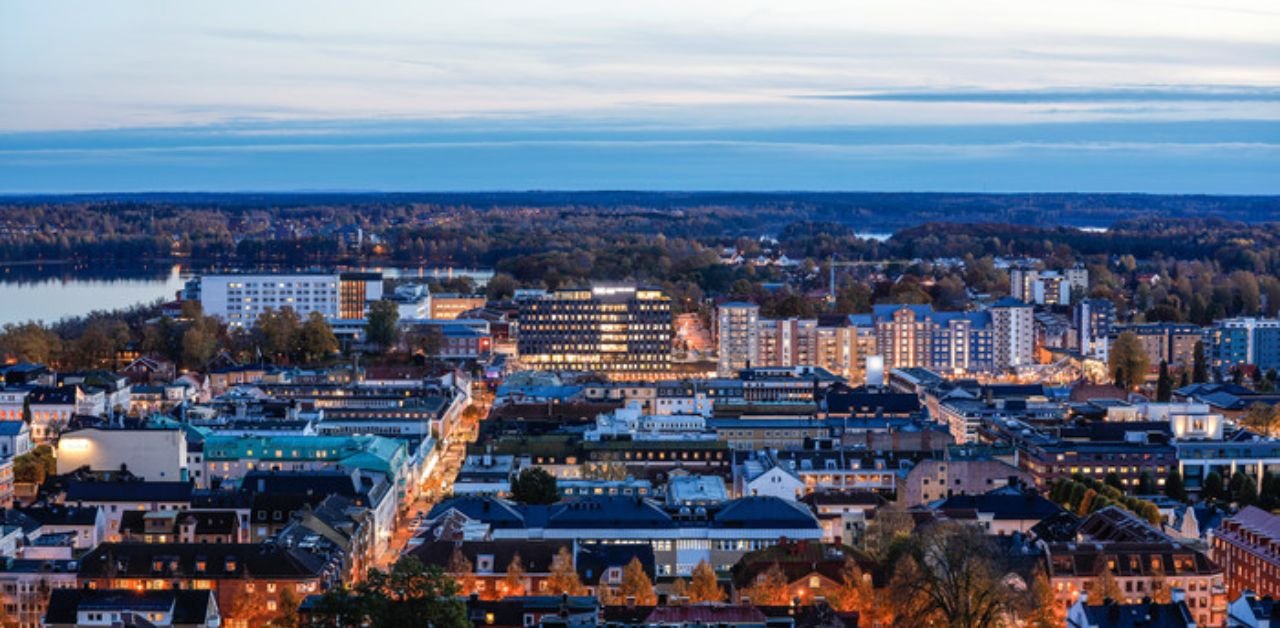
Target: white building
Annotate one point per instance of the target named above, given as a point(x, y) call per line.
point(739, 336)
point(630, 422)
point(1013, 334)
point(240, 299)
point(158, 455)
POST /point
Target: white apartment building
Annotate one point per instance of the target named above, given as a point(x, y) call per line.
point(739, 336)
point(240, 299)
point(1014, 337)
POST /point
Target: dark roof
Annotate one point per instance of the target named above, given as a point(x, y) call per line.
point(705, 615)
point(50, 395)
point(535, 556)
point(207, 521)
point(53, 515)
point(12, 428)
point(841, 399)
point(1142, 615)
point(594, 559)
point(78, 491)
point(189, 607)
point(765, 512)
point(1003, 505)
point(221, 560)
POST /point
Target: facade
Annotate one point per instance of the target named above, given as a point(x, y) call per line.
point(451, 305)
point(152, 454)
point(1093, 320)
point(931, 480)
point(720, 536)
point(917, 336)
point(1013, 334)
point(1171, 343)
point(739, 336)
point(1240, 341)
point(621, 332)
point(1247, 546)
point(240, 299)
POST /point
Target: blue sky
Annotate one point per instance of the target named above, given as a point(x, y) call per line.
point(1087, 95)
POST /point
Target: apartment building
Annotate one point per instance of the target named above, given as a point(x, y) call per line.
point(622, 332)
point(239, 299)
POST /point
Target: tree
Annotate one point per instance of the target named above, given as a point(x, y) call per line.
point(461, 570)
point(951, 576)
point(1146, 484)
point(679, 590)
point(35, 465)
point(1043, 606)
point(769, 588)
point(1173, 486)
point(856, 594)
point(636, 584)
point(199, 344)
point(411, 594)
point(1128, 361)
point(563, 579)
point(1200, 368)
point(1113, 480)
point(274, 331)
point(1212, 488)
point(1105, 588)
point(501, 286)
point(1247, 493)
point(513, 582)
point(705, 587)
point(535, 486)
point(1164, 384)
point(316, 340)
point(1262, 418)
point(886, 531)
point(383, 324)
point(286, 611)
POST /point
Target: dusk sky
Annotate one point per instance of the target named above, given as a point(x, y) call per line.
point(1147, 96)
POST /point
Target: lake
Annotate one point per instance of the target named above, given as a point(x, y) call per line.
point(51, 292)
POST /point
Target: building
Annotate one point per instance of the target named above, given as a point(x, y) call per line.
point(738, 336)
point(1171, 343)
point(931, 479)
point(719, 536)
point(239, 299)
point(245, 578)
point(72, 608)
point(451, 305)
point(15, 438)
point(1240, 341)
point(917, 336)
point(26, 585)
point(1247, 546)
point(1093, 319)
point(1142, 560)
point(621, 332)
point(1113, 614)
point(1001, 512)
point(1013, 334)
point(1047, 287)
point(151, 454)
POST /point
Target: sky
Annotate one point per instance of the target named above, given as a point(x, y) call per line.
point(901, 95)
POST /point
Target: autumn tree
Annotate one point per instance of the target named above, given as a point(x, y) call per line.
point(1128, 361)
point(637, 585)
point(563, 579)
point(1042, 606)
point(857, 594)
point(1262, 418)
point(513, 582)
point(769, 588)
point(950, 575)
point(461, 569)
point(1105, 588)
point(705, 586)
point(275, 330)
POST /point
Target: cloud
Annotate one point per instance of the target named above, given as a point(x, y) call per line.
point(1214, 94)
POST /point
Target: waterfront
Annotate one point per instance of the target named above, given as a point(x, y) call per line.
point(52, 292)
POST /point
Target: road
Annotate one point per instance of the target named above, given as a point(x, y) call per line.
point(440, 482)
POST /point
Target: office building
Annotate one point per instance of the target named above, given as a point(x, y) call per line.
point(623, 332)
